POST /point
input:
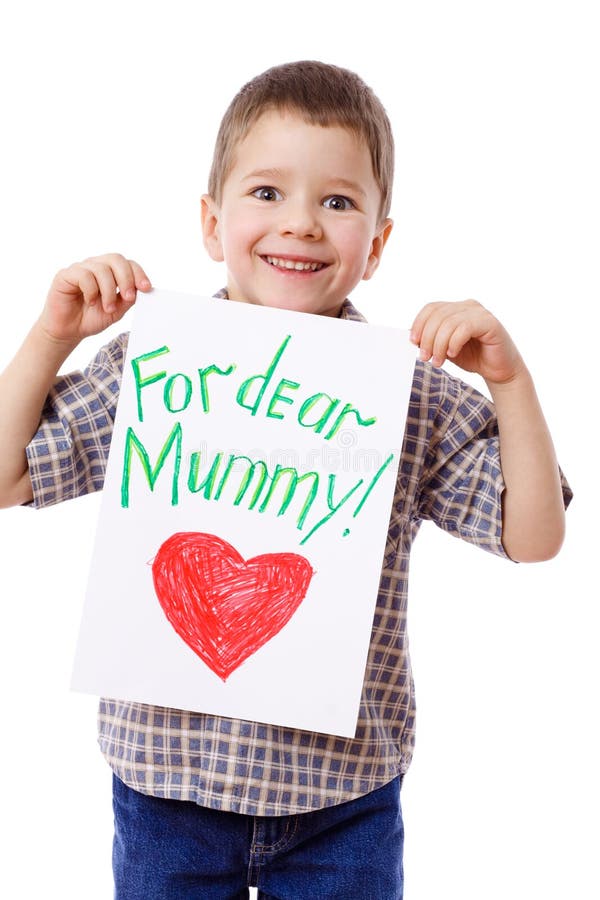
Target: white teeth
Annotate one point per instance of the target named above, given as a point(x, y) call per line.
point(290, 264)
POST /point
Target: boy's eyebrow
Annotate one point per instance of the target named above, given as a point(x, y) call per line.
point(265, 173)
point(352, 186)
point(276, 174)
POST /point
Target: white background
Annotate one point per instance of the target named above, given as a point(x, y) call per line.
point(109, 112)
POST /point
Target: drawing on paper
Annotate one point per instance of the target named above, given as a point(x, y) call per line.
point(266, 430)
point(225, 607)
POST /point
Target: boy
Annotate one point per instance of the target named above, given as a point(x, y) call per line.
point(298, 203)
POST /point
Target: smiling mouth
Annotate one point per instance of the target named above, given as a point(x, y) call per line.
point(293, 265)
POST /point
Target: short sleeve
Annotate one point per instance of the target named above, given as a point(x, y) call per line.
point(462, 484)
point(68, 454)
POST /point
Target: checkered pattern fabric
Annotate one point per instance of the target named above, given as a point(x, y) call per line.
point(449, 473)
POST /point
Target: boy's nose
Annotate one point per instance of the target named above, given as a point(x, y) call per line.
point(299, 220)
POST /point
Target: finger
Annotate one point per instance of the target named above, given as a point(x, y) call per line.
point(88, 286)
point(461, 335)
point(129, 275)
point(421, 320)
point(142, 282)
point(452, 334)
point(78, 281)
point(123, 276)
point(434, 330)
point(107, 283)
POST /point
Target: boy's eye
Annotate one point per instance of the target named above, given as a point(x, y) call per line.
point(267, 193)
point(338, 202)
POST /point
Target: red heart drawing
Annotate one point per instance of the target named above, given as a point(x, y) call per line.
point(222, 606)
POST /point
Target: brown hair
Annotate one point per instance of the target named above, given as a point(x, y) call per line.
point(324, 95)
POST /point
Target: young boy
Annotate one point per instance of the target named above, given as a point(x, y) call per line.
point(298, 203)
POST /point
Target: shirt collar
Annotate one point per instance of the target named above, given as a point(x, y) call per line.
point(348, 310)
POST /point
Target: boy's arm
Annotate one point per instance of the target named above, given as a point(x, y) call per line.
point(83, 300)
point(533, 508)
point(533, 514)
point(24, 386)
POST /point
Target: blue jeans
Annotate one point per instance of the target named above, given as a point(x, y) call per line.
point(174, 849)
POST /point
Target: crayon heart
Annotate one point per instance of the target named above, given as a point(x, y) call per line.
point(224, 607)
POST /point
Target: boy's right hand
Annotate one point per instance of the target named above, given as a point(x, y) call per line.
point(87, 297)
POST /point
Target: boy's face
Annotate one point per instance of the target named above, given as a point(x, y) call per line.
point(298, 224)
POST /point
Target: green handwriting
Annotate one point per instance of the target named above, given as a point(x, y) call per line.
point(237, 478)
point(259, 393)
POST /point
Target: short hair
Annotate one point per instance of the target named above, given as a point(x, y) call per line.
point(322, 94)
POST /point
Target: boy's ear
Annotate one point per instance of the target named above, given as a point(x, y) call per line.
point(379, 242)
point(209, 214)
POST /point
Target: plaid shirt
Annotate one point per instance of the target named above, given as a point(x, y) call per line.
point(449, 473)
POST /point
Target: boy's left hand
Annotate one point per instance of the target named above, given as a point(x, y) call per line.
point(470, 336)
point(533, 516)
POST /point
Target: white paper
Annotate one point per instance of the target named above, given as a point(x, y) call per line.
point(334, 405)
